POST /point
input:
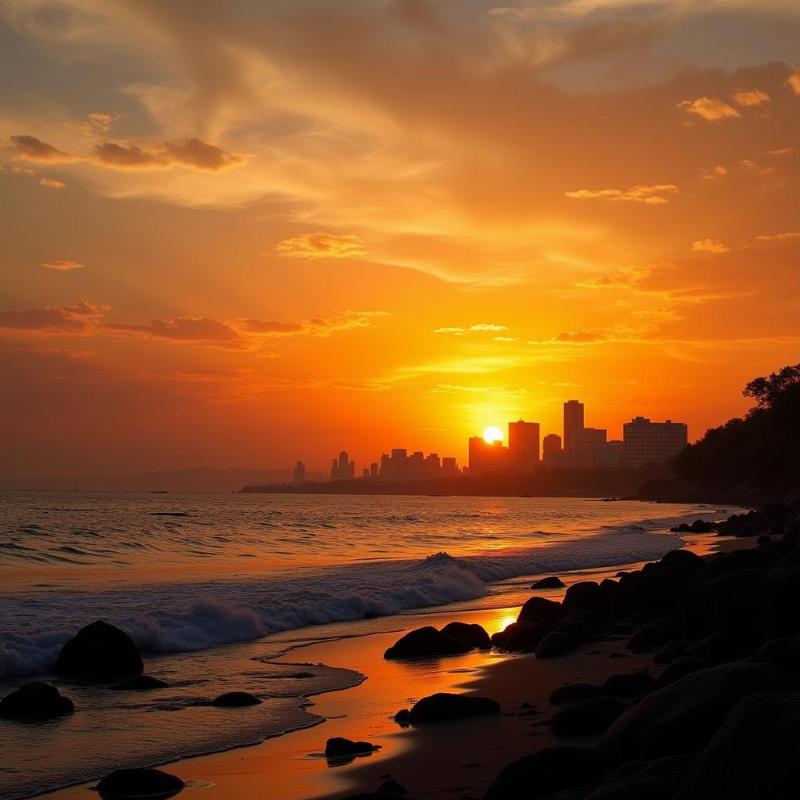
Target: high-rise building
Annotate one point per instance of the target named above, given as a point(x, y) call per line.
point(449, 466)
point(373, 470)
point(342, 468)
point(589, 446)
point(573, 423)
point(485, 457)
point(552, 454)
point(646, 442)
point(523, 446)
point(299, 474)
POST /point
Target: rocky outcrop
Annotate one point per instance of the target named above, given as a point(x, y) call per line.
point(35, 701)
point(99, 652)
point(426, 642)
point(235, 700)
point(340, 748)
point(443, 707)
point(139, 783)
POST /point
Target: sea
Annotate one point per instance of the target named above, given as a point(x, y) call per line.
point(219, 591)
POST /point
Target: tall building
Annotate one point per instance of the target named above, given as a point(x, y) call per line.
point(342, 468)
point(449, 466)
point(523, 446)
point(485, 457)
point(589, 446)
point(299, 474)
point(573, 423)
point(552, 454)
point(646, 442)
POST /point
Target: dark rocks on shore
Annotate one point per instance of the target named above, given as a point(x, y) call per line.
point(698, 526)
point(682, 717)
point(680, 668)
point(784, 652)
point(139, 783)
point(520, 637)
point(627, 684)
point(99, 652)
point(141, 683)
point(556, 644)
point(35, 701)
point(426, 642)
point(541, 611)
point(553, 582)
point(753, 755)
point(572, 693)
point(339, 748)
point(235, 700)
point(653, 780)
point(587, 717)
point(470, 634)
point(650, 636)
point(402, 717)
point(548, 771)
point(444, 706)
point(591, 596)
point(675, 648)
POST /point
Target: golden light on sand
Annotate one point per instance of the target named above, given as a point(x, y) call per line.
point(492, 434)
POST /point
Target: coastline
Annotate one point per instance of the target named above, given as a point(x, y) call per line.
point(292, 765)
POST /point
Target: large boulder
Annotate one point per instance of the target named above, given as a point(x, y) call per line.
point(548, 771)
point(590, 595)
point(340, 748)
point(444, 706)
point(520, 637)
point(553, 582)
point(235, 700)
point(683, 717)
point(99, 652)
point(680, 668)
point(784, 652)
point(653, 780)
point(139, 783)
point(655, 591)
point(753, 755)
point(587, 717)
point(141, 683)
point(542, 611)
point(627, 684)
point(470, 634)
point(35, 701)
point(426, 642)
point(555, 645)
point(572, 693)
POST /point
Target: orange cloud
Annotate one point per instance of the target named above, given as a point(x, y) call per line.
point(59, 319)
point(62, 266)
point(29, 148)
point(751, 98)
point(183, 329)
point(111, 154)
point(786, 236)
point(641, 193)
point(51, 183)
point(793, 81)
point(710, 108)
point(193, 153)
point(200, 155)
point(311, 246)
point(709, 246)
point(580, 337)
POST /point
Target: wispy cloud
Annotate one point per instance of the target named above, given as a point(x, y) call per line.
point(710, 246)
point(59, 319)
point(711, 109)
point(751, 98)
point(650, 195)
point(312, 246)
point(62, 266)
point(51, 183)
point(29, 148)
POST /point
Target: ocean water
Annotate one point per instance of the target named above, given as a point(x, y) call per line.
point(204, 583)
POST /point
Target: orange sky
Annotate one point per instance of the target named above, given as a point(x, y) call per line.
point(243, 233)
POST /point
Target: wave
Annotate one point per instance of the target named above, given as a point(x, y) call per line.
point(183, 617)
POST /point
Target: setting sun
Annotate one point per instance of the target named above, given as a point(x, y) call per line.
point(492, 434)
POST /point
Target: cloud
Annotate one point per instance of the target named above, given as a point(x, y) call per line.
point(29, 148)
point(715, 172)
point(268, 326)
point(751, 98)
point(505, 339)
point(711, 109)
point(488, 326)
point(454, 330)
point(60, 319)
point(193, 153)
point(312, 246)
point(182, 329)
point(641, 193)
point(100, 122)
point(62, 266)
point(786, 236)
point(793, 81)
point(709, 246)
point(580, 337)
point(51, 183)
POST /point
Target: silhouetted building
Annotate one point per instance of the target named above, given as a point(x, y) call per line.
point(449, 467)
point(342, 468)
point(365, 473)
point(588, 448)
point(611, 454)
point(646, 442)
point(373, 470)
point(299, 474)
point(573, 423)
point(485, 457)
point(523, 446)
point(552, 454)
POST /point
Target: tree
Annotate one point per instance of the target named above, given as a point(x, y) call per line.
point(767, 392)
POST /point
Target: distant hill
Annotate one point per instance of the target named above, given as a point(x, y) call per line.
point(199, 479)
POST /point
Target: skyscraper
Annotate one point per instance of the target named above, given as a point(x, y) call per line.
point(646, 442)
point(573, 423)
point(523, 445)
point(551, 451)
point(299, 474)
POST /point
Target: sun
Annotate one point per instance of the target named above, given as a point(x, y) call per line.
point(492, 435)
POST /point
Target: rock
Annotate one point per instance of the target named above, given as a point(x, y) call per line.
point(339, 747)
point(139, 783)
point(572, 693)
point(680, 668)
point(784, 652)
point(235, 700)
point(649, 637)
point(673, 649)
point(576, 628)
point(470, 634)
point(682, 717)
point(656, 590)
point(587, 717)
point(548, 771)
point(654, 780)
point(555, 645)
point(698, 526)
point(443, 706)
point(426, 642)
point(588, 595)
point(542, 611)
point(99, 652)
point(392, 787)
point(35, 701)
point(681, 557)
point(718, 648)
point(630, 684)
point(520, 637)
point(753, 755)
point(402, 717)
point(552, 582)
point(141, 683)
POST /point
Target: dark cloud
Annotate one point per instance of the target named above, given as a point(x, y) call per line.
point(30, 148)
point(183, 329)
point(200, 155)
point(60, 319)
point(270, 326)
point(193, 153)
point(111, 154)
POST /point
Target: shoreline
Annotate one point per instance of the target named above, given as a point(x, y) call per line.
point(362, 711)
